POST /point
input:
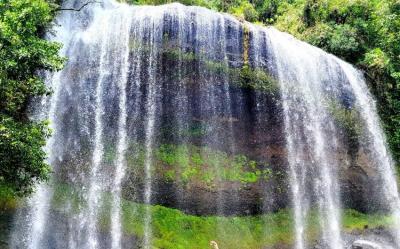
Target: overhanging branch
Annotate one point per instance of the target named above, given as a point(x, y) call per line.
point(79, 9)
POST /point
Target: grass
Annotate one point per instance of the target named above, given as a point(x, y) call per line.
point(173, 229)
point(353, 220)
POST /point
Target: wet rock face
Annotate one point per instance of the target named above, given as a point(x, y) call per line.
point(260, 137)
point(215, 88)
point(5, 227)
point(359, 178)
point(193, 109)
point(261, 144)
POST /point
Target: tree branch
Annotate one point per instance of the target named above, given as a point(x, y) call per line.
point(80, 8)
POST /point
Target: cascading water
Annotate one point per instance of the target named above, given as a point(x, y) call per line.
point(303, 72)
point(143, 82)
point(380, 155)
point(95, 187)
point(154, 38)
point(310, 133)
point(122, 136)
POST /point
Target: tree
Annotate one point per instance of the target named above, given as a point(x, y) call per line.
point(24, 52)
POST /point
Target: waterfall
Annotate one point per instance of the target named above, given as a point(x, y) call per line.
point(97, 157)
point(376, 143)
point(238, 99)
point(122, 136)
point(153, 89)
point(40, 201)
point(309, 129)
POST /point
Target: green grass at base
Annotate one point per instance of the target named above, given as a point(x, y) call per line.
point(173, 229)
point(354, 220)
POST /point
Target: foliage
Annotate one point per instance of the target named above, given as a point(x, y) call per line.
point(245, 11)
point(7, 199)
point(21, 154)
point(242, 9)
point(213, 4)
point(267, 10)
point(363, 32)
point(23, 53)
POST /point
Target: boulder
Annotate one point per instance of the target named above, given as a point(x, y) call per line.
point(365, 244)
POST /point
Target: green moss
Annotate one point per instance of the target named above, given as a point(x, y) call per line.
point(189, 163)
point(246, 44)
point(258, 79)
point(199, 165)
point(109, 153)
point(196, 130)
point(347, 118)
point(175, 53)
point(174, 229)
point(245, 76)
